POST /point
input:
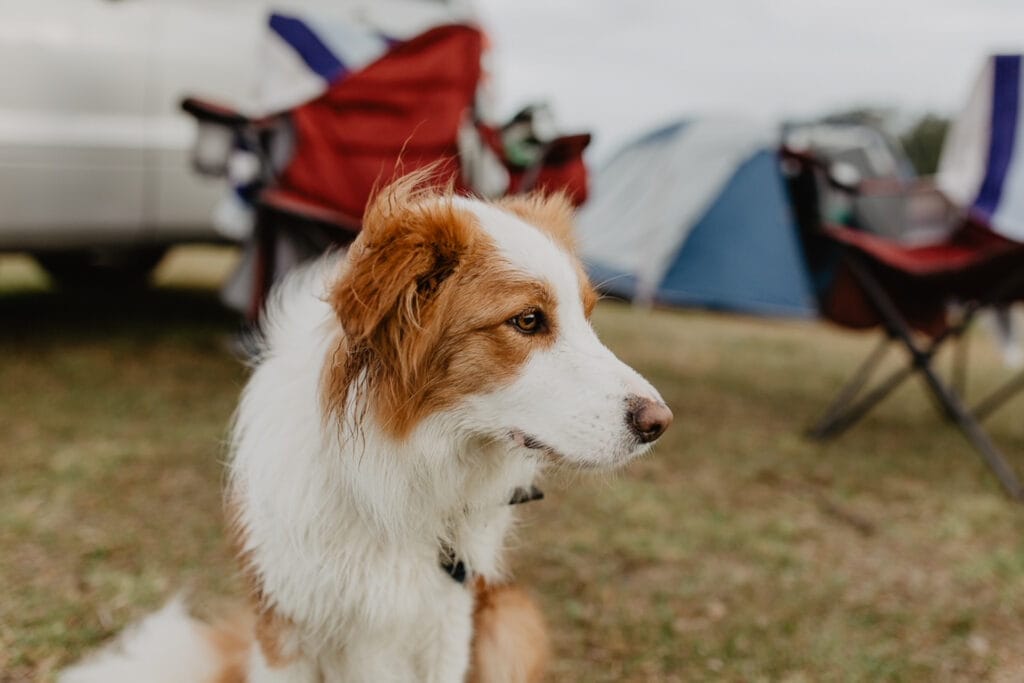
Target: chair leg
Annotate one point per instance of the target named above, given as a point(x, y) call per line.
point(265, 237)
point(998, 397)
point(922, 362)
point(834, 425)
point(823, 427)
point(958, 366)
point(959, 374)
point(975, 434)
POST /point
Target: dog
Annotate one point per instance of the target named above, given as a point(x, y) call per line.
point(404, 396)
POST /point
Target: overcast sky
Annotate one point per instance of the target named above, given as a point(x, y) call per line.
point(619, 66)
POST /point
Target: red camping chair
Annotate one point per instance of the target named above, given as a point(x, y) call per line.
point(910, 292)
point(321, 161)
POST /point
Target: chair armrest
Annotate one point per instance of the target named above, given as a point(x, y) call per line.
point(812, 163)
point(207, 111)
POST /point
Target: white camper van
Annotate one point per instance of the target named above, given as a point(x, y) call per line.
point(94, 150)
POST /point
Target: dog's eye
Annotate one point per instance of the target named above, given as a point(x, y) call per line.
point(528, 322)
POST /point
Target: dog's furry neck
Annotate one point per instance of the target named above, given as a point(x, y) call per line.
point(427, 485)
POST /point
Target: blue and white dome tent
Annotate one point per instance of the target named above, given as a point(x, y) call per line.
point(696, 213)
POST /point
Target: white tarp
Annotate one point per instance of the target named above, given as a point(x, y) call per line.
point(965, 150)
point(982, 163)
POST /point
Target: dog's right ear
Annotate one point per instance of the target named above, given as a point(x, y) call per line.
point(412, 241)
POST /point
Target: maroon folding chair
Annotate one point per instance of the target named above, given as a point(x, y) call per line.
point(320, 161)
point(923, 297)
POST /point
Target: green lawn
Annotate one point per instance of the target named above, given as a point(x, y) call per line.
point(738, 551)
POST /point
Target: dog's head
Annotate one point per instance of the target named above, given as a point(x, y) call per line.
point(480, 312)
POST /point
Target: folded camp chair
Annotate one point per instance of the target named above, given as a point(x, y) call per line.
point(320, 161)
point(921, 296)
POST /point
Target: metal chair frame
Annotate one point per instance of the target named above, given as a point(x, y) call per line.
point(855, 400)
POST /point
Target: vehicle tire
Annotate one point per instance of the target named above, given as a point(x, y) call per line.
point(101, 267)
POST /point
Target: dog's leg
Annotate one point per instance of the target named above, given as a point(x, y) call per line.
point(431, 646)
point(446, 655)
point(510, 643)
point(372, 661)
point(297, 670)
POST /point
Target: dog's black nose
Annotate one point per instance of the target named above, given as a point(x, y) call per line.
point(647, 419)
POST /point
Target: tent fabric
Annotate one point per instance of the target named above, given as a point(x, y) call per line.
point(697, 214)
point(982, 163)
point(648, 197)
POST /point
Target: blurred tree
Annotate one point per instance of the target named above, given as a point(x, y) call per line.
point(923, 142)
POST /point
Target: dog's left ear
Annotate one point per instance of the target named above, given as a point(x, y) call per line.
point(410, 245)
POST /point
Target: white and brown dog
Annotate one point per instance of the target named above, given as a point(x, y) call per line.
point(403, 396)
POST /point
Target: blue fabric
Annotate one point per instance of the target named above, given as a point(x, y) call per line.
point(612, 283)
point(744, 254)
point(1005, 104)
point(317, 56)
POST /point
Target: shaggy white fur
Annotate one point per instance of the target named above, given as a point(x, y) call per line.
point(168, 646)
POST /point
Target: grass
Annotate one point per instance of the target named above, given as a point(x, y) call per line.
point(739, 551)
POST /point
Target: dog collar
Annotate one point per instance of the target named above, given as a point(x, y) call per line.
point(453, 566)
point(525, 495)
point(456, 568)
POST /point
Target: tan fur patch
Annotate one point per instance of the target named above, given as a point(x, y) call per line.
point(272, 633)
point(588, 295)
point(424, 304)
point(232, 638)
point(510, 642)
